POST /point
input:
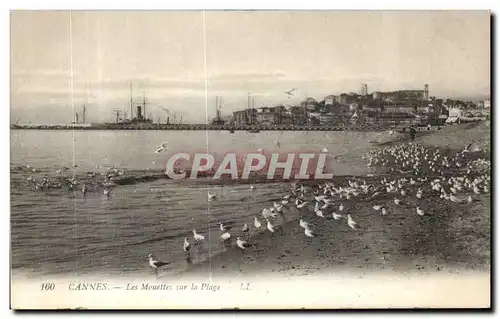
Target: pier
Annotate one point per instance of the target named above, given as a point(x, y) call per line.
point(211, 127)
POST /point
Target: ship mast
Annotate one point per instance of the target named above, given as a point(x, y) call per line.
point(144, 103)
point(131, 107)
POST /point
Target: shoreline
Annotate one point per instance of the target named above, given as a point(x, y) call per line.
point(385, 246)
point(407, 242)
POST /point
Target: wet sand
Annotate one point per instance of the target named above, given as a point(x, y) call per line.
point(449, 238)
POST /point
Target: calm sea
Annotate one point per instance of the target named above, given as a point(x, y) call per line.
point(63, 232)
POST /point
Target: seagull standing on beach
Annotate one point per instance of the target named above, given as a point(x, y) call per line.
point(222, 227)
point(187, 246)
point(245, 229)
point(308, 232)
point(155, 264)
point(350, 222)
point(420, 212)
point(225, 237)
point(319, 213)
point(419, 193)
point(302, 205)
point(197, 237)
point(270, 226)
point(303, 223)
point(256, 223)
point(336, 216)
point(242, 244)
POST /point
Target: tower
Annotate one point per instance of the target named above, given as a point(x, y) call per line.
point(426, 92)
point(364, 89)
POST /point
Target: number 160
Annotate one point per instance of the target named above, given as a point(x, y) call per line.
point(48, 286)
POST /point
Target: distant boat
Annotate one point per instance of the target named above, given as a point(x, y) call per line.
point(231, 131)
point(254, 130)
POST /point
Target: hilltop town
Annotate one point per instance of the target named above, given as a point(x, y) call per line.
point(384, 109)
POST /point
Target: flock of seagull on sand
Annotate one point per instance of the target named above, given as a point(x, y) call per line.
point(425, 173)
point(428, 173)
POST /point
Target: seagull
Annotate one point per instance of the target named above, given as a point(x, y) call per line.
point(270, 227)
point(324, 149)
point(155, 264)
point(245, 229)
point(242, 244)
point(341, 208)
point(211, 197)
point(303, 223)
point(290, 92)
point(319, 213)
point(252, 187)
point(197, 237)
point(187, 246)
point(308, 232)
point(455, 199)
point(384, 211)
point(161, 148)
point(420, 212)
point(397, 201)
point(336, 216)
point(106, 192)
point(225, 236)
point(377, 207)
point(351, 222)
point(222, 227)
point(302, 205)
point(256, 223)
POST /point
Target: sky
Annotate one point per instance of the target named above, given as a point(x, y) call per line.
point(61, 60)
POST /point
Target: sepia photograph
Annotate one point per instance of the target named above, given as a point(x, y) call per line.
point(250, 159)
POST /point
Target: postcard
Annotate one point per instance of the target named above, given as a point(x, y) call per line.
point(250, 159)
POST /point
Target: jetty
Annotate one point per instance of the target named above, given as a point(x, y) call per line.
point(211, 127)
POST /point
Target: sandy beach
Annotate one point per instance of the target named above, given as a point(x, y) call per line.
point(451, 237)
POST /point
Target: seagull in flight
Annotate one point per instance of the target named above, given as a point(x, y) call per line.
point(161, 148)
point(211, 197)
point(290, 92)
